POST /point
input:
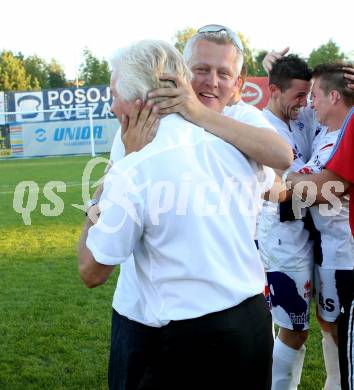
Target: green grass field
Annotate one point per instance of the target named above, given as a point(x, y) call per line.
point(54, 333)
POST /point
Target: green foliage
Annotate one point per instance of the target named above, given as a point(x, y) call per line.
point(350, 56)
point(181, 37)
point(13, 74)
point(329, 52)
point(37, 68)
point(94, 71)
point(247, 55)
point(56, 75)
point(20, 73)
point(259, 70)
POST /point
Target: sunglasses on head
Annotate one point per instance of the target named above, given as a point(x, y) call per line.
point(214, 28)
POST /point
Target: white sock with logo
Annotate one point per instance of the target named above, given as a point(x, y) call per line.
point(287, 366)
point(330, 355)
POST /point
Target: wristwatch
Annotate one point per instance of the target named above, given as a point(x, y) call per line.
point(89, 204)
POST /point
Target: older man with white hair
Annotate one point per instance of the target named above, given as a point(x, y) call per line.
point(176, 205)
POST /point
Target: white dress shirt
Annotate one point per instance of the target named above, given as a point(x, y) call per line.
point(185, 206)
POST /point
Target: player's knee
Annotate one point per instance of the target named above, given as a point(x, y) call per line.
point(293, 339)
point(300, 338)
point(334, 332)
point(329, 328)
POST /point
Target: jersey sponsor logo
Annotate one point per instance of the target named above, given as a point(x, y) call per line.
point(300, 125)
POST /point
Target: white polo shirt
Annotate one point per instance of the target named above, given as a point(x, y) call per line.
point(184, 205)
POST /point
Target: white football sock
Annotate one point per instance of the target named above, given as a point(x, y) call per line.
point(273, 330)
point(330, 355)
point(287, 366)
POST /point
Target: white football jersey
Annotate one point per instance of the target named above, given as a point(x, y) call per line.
point(305, 132)
point(285, 246)
point(331, 220)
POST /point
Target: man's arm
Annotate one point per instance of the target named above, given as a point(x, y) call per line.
point(260, 144)
point(116, 228)
point(91, 272)
point(277, 193)
point(320, 190)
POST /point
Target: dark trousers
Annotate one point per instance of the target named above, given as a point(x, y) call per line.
point(230, 349)
point(346, 332)
point(133, 347)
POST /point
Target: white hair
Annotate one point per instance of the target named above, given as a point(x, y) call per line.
point(137, 69)
point(220, 38)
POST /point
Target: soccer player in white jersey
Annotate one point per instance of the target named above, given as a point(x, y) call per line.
point(284, 244)
point(334, 263)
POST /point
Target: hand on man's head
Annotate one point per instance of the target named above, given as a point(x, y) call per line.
point(349, 75)
point(181, 99)
point(140, 128)
point(271, 57)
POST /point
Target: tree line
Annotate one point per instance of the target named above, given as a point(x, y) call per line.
point(32, 73)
